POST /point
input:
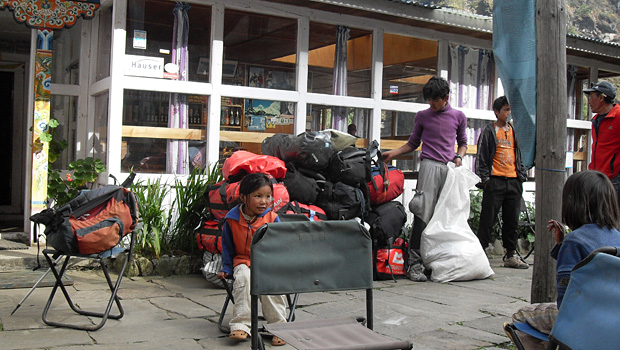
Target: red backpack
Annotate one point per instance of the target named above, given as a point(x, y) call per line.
point(387, 182)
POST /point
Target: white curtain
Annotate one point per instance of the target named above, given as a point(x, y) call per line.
point(339, 114)
point(177, 161)
point(471, 77)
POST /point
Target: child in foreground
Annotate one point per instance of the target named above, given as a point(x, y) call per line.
point(590, 210)
point(240, 224)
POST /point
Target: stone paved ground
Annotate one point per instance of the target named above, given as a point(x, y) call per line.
point(181, 312)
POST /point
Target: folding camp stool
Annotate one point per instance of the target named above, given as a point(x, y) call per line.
point(51, 255)
point(315, 256)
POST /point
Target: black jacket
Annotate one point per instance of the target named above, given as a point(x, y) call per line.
point(487, 144)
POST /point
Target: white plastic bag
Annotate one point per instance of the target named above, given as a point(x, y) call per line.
point(448, 246)
point(211, 265)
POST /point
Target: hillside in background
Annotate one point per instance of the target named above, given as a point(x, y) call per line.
point(593, 19)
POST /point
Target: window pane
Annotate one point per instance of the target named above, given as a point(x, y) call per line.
point(398, 126)
point(100, 137)
point(66, 59)
point(259, 50)
point(326, 117)
point(408, 63)
point(104, 41)
point(148, 150)
point(63, 109)
point(150, 28)
point(152, 108)
point(321, 60)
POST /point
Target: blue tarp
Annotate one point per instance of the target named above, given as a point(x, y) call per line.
point(514, 48)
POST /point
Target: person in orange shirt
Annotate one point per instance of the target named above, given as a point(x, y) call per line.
point(501, 172)
point(240, 224)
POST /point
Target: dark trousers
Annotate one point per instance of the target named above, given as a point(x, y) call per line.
point(616, 182)
point(505, 193)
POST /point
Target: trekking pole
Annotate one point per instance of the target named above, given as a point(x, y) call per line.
point(35, 286)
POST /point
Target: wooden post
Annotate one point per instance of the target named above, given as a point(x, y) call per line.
point(550, 139)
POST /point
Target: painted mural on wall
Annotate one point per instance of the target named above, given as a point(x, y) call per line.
point(50, 14)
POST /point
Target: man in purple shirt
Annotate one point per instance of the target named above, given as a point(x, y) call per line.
point(438, 129)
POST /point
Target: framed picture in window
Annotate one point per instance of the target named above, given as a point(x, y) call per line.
point(203, 66)
point(229, 68)
point(256, 77)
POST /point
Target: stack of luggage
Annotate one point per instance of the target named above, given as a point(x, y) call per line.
point(323, 176)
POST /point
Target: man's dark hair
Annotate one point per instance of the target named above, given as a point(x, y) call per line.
point(589, 198)
point(499, 103)
point(435, 87)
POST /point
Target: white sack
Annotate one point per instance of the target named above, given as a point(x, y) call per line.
point(448, 246)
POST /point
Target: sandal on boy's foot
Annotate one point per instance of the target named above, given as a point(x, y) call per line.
point(239, 335)
point(276, 341)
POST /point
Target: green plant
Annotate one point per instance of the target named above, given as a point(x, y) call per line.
point(475, 208)
point(154, 218)
point(82, 175)
point(190, 208)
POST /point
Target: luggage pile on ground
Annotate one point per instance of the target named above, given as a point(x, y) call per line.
point(323, 176)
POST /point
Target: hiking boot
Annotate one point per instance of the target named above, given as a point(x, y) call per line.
point(416, 273)
point(515, 262)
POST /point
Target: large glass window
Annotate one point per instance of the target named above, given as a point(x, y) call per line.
point(322, 60)
point(408, 63)
point(259, 50)
point(151, 26)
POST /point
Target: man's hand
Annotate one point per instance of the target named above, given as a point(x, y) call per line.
point(458, 162)
point(387, 155)
point(222, 275)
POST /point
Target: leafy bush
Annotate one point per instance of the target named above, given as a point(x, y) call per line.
point(154, 218)
point(82, 175)
point(172, 229)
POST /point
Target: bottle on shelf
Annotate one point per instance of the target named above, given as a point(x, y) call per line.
point(227, 118)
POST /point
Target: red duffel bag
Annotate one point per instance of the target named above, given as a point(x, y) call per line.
point(241, 163)
point(385, 185)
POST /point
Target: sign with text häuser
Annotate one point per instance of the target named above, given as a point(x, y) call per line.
point(144, 66)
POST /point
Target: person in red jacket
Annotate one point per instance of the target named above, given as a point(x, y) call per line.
point(240, 224)
point(605, 131)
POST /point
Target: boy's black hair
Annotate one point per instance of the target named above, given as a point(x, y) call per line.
point(499, 103)
point(253, 182)
point(589, 197)
point(435, 87)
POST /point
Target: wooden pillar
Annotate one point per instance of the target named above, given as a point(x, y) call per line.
point(41, 119)
point(550, 139)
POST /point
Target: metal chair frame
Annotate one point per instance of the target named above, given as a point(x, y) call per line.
point(51, 255)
